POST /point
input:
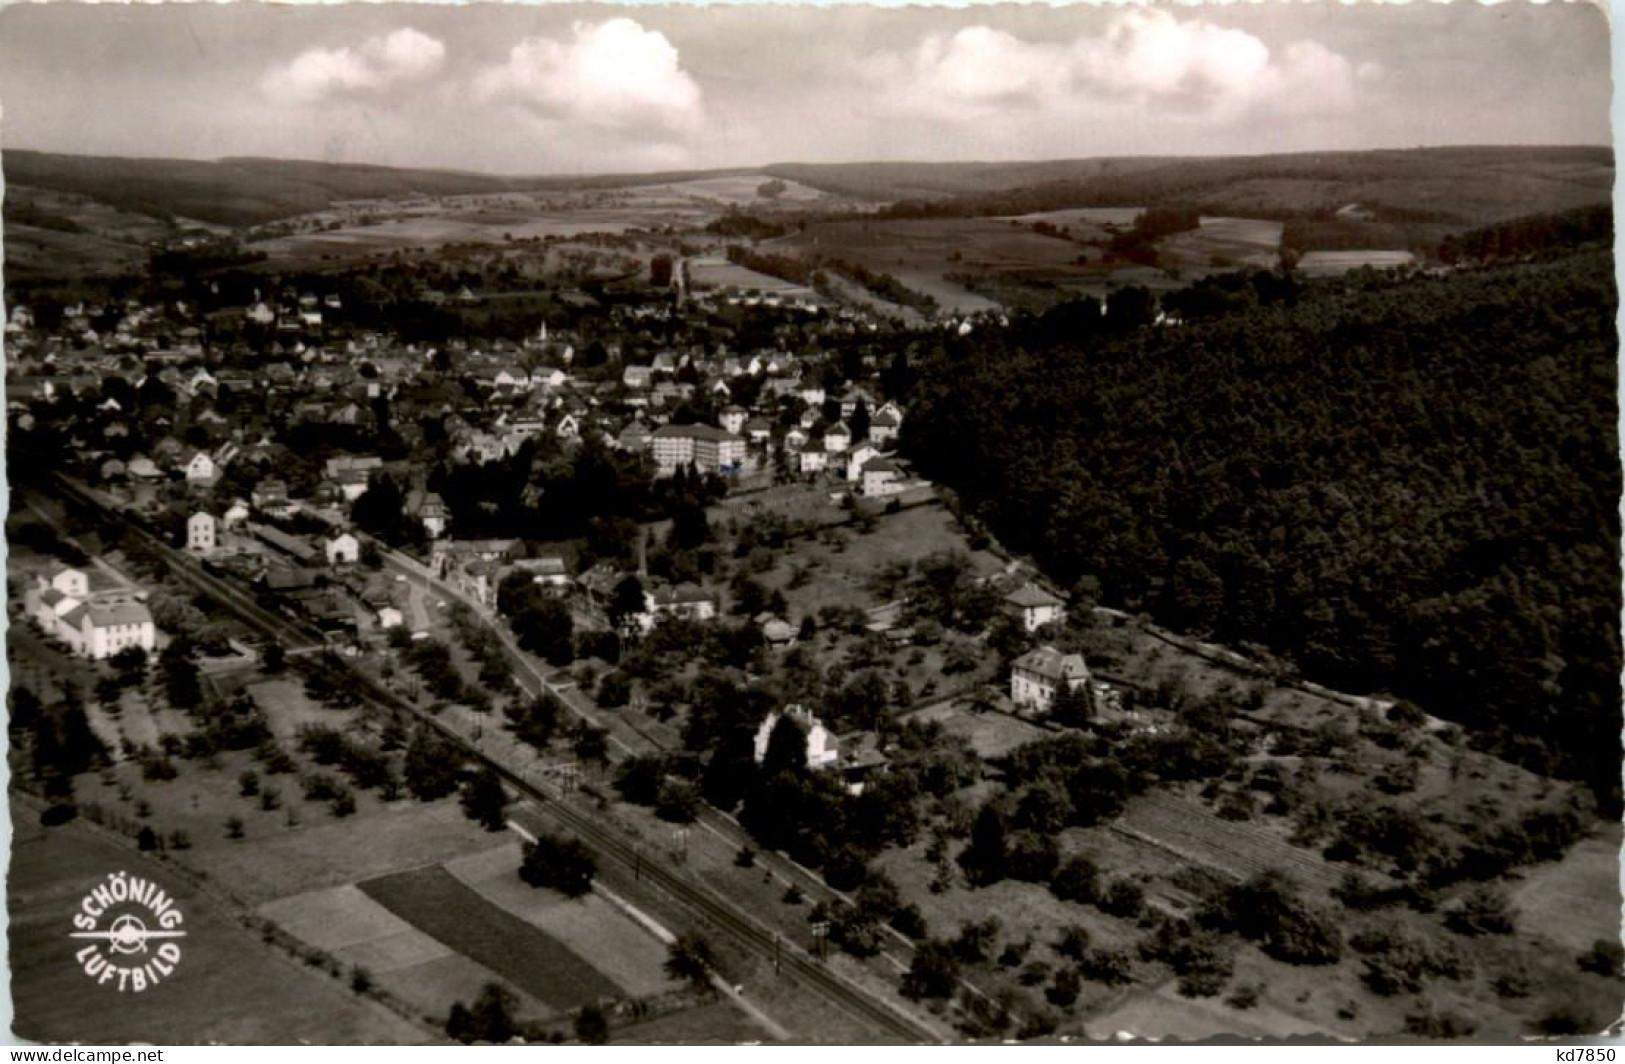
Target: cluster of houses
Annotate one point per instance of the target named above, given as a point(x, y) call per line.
point(93, 625)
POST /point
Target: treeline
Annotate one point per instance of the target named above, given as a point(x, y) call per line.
point(1139, 243)
point(784, 267)
point(1407, 485)
point(1542, 234)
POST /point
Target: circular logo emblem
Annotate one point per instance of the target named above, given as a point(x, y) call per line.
point(130, 927)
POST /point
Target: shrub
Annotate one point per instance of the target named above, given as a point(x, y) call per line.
point(1077, 879)
point(1604, 958)
point(1112, 967)
point(1123, 897)
point(1063, 990)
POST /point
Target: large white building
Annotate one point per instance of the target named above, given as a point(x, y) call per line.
point(707, 448)
point(1037, 676)
point(96, 626)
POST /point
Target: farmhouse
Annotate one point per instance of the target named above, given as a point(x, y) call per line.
point(1037, 676)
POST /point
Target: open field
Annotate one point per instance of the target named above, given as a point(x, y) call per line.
point(1085, 217)
point(1223, 243)
point(421, 971)
point(1576, 901)
point(229, 986)
point(1337, 263)
point(989, 734)
point(1235, 849)
point(720, 273)
point(735, 190)
point(436, 903)
point(588, 926)
point(288, 709)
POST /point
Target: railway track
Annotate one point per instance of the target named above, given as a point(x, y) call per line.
point(698, 900)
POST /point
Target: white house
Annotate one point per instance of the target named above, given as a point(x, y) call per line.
point(733, 419)
point(1036, 677)
point(822, 750)
point(201, 469)
point(814, 459)
point(343, 549)
point(684, 600)
point(1036, 606)
point(837, 437)
point(202, 533)
point(881, 476)
point(883, 428)
point(857, 458)
point(434, 515)
point(235, 515)
point(390, 617)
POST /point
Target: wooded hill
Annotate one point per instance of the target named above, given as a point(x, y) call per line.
point(1408, 485)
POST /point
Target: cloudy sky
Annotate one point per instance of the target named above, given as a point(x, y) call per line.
point(557, 88)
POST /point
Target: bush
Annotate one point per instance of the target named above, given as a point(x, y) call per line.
point(1483, 911)
point(558, 863)
point(1113, 967)
point(1077, 879)
point(1074, 942)
point(1604, 958)
point(1430, 1022)
point(1031, 857)
point(909, 921)
point(1064, 989)
point(592, 1026)
point(1123, 897)
point(933, 973)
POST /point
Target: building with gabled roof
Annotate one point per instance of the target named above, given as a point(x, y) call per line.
point(1039, 675)
point(1035, 606)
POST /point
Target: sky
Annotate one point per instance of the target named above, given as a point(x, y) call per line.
point(567, 88)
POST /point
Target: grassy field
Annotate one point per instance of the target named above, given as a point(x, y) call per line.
point(228, 988)
point(438, 904)
point(720, 273)
point(922, 253)
point(1337, 263)
point(989, 734)
point(1576, 901)
point(421, 971)
point(1223, 244)
point(589, 926)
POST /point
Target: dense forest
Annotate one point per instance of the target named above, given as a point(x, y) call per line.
point(1407, 484)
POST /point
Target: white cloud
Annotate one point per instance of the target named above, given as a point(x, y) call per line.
point(1145, 57)
point(380, 63)
point(612, 75)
